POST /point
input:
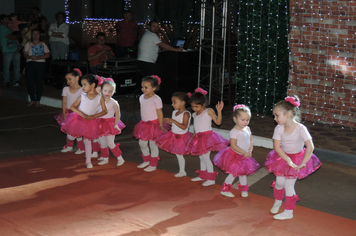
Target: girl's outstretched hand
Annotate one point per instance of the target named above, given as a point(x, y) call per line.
point(219, 106)
point(168, 120)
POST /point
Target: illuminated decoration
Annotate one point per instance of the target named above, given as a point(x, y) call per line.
point(92, 26)
point(262, 68)
point(323, 62)
point(127, 5)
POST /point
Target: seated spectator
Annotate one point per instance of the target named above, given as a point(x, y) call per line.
point(99, 53)
point(58, 37)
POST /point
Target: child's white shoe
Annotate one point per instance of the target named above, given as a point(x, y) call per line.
point(244, 194)
point(89, 166)
point(143, 164)
point(79, 151)
point(67, 149)
point(120, 161)
point(104, 162)
point(180, 174)
point(94, 155)
point(209, 183)
point(275, 207)
point(227, 194)
point(197, 179)
point(150, 168)
point(100, 158)
point(283, 216)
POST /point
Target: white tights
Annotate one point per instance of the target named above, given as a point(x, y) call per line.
point(205, 163)
point(287, 184)
point(181, 163)
point(70, 137)
point(146, 151)
point(88, 150)
point(107, 141)
point(230, 179)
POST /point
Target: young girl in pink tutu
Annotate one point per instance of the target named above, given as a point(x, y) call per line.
point(175, 141)
point(83, 121)
point(151, 125)
point(70, 94)
point(110, 124)
point(289, 159)
point(237, 160)
point(205, 140)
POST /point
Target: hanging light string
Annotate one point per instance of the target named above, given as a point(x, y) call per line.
point(251, 55)
point(238, 53)
point(247, 53)
point(268, 59)
point(259, 60)
point(276, 55)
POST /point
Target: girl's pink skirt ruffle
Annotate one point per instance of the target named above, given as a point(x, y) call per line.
point(174, 143)
point(279, 167)
point(77, 126)
point(106, 126)
point(59, 117)
point(204, 142)
point(236, 164)
point(149, 130)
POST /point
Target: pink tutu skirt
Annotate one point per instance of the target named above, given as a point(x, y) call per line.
point(174, 143)
point(236, 164)
point(106, 126)
point(59, 117)
point(204, 142)
point(77, 126)
point(149, 130)
point(279, 167)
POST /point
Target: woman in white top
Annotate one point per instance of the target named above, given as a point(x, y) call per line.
point(59, 40)
point(35, 53)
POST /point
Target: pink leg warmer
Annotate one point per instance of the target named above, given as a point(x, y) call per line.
point(154, 161)
point(96, 146)
point(243, 188)
point(80, 144)
point(116, 150)
point(226, 187)
point(202, 174)
point(69, 143)
point(290, 202)
point(146, 158)
point(278, 193)
point(211, 176)
point(104, 152)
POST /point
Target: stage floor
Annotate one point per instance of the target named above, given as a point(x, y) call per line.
point(55, 194)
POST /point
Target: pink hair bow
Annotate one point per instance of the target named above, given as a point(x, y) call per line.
point(157, 78)
point(292, 101)
point(79, 72)
point(101, 81)
point(189, 95)
point(238, 106)
point(109, 79)
point(200, 90)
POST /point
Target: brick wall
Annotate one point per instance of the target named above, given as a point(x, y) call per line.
point(323, 59)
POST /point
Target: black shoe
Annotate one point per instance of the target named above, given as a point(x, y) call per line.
point(7, 84)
